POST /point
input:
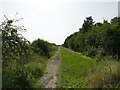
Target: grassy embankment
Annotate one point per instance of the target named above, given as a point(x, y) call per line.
point(79, 71)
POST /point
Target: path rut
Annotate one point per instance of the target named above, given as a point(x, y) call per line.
point(50, 79)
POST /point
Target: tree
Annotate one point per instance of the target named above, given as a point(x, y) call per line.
point(87, 24)
point(100, 38)
point(41, 47)
point(14, 45)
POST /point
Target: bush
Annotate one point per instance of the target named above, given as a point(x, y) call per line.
point(41, 47)
point(16, 77)
point(14, 45)
point(22, 76)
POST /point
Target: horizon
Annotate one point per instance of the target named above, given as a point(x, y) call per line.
point(54, 21)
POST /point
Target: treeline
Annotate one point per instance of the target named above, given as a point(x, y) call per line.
point(23, 62)
point(96, 39)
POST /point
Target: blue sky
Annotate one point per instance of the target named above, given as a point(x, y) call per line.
point(54, 20)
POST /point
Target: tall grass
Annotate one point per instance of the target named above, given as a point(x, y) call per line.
point(106, 75)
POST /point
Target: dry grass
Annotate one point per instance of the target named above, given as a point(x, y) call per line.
point(107, 77)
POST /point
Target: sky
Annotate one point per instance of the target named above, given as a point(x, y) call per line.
point(54, 20)
point(119, 8)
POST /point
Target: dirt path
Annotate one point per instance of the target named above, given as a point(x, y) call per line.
point(50, 79)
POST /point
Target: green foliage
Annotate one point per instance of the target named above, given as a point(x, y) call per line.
point(23, 62)
point(41, 47)
point(14, 45)
point(87, 24)
point(22, 76)
point(36, 69)
point(17, 77)
point(99, 38)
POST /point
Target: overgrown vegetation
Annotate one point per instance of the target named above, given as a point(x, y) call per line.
point(42, 47)
point(100, 41)
point(79, 71)
point(23, 62)
point(96, 39)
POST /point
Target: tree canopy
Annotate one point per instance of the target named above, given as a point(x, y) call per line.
point(96, 38)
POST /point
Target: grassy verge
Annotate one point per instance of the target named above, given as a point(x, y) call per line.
point(79, 71)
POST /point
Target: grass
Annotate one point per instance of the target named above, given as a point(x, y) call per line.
point(79, 71)
point(73, 68)
point(25, 75)
point(17, 75)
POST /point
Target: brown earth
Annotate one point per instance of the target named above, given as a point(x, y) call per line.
point(50, 79)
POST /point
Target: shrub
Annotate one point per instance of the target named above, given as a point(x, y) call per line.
point(16, 77)
point(41, 47)
point(22, 76)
